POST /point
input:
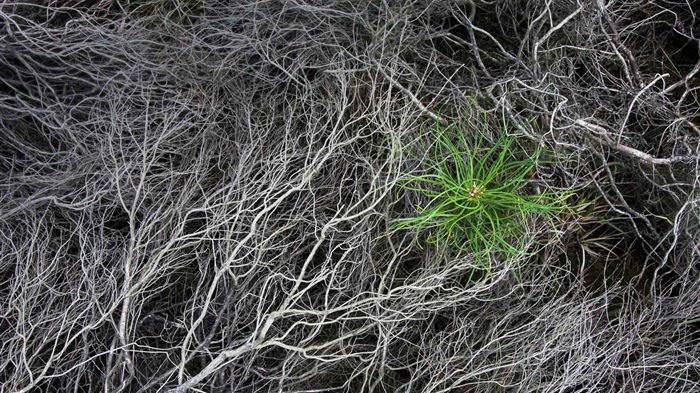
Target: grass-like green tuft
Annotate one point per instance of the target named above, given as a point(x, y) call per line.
point(478, 197)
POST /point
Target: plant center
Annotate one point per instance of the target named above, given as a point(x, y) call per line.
point(475, 192)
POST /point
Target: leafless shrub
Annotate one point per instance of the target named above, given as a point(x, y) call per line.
point(197, 196)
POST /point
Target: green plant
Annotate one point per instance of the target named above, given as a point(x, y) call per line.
point(479, 199)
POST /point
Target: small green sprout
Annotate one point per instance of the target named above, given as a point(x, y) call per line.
point(479, 199)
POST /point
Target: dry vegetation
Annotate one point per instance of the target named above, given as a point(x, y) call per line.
point(198, 196)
